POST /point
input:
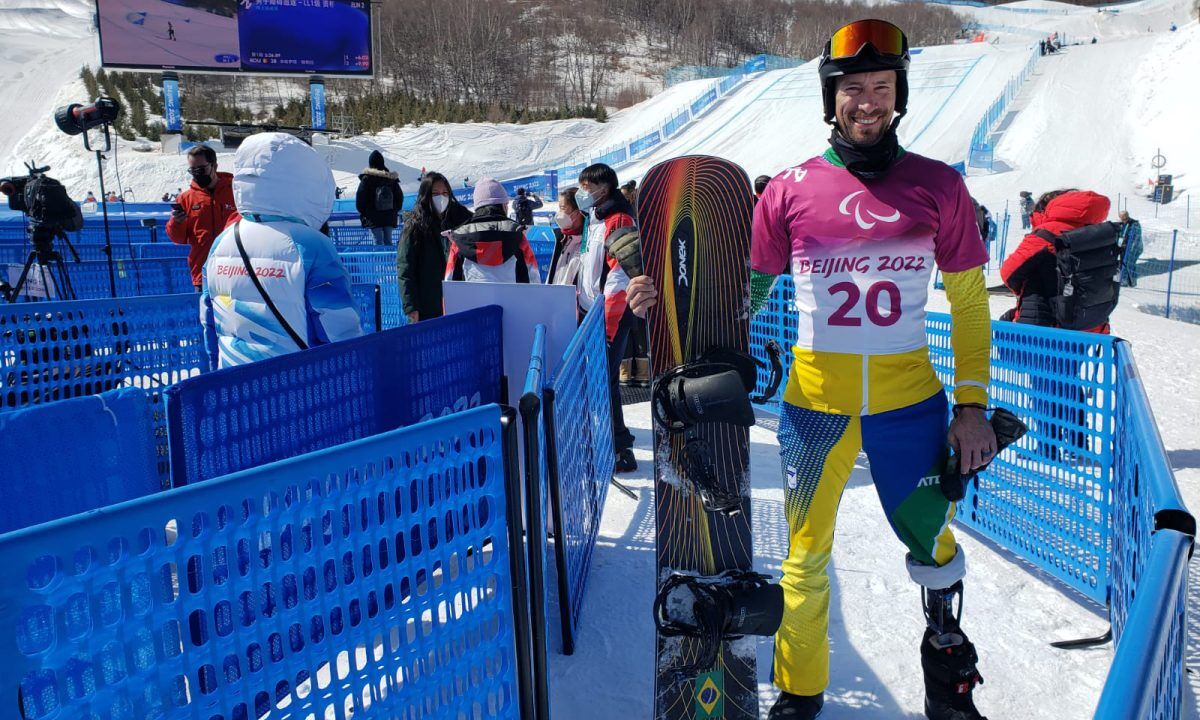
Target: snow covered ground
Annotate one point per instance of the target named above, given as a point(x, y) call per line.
point(1011, 610)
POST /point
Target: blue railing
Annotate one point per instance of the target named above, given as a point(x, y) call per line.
point(982, 151)
point(240, 417)
point(1087, 495)
point(254, 595)
point(536, 515)
point(580, 460)
point(378, 268)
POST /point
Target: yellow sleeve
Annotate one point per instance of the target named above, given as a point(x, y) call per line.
point(970, 334)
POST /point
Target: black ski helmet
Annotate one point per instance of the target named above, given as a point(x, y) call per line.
point(867, 58)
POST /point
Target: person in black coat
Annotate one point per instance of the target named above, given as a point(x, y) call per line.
point(379, 199)
point(422, 250)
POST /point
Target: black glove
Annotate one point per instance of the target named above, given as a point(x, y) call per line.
point(1008, 429)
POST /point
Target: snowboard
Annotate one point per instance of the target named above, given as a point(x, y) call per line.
point(694, 215)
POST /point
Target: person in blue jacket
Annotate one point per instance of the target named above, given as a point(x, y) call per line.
point(284, 193)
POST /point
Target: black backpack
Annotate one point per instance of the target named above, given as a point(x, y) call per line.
point(385, 199)
point(1087, 261)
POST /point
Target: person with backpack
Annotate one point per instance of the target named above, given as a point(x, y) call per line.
point(1064, 276)
point(379, 199)
point(1026, 204)
point(1063, 272)
point(489, 247)
point(422, 250)
point(524, 205)
point(1131, 248)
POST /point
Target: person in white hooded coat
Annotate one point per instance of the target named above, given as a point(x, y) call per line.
point(284, 192)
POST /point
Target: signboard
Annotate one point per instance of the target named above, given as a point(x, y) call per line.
point(331, 37)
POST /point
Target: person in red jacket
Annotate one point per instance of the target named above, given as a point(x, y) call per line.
point(203, 210)
point(1030, 271)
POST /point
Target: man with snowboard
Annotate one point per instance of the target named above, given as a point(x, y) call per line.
point(861, 228)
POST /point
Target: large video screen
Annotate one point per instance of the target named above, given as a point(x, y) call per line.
point(330, 37)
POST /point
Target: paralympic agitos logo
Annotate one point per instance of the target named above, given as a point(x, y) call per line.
point(844, 209)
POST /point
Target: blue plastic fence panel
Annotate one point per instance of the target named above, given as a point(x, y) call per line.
point(366, 301)
point(163, 276)
point(245, 416)
point(541, 241)
point(642, 144)
point(349, 235)
point(1148, 603)
point(378, 268)
point(704, 101)
point(581, 464)
point(57, 350)
point(776, 321)
point(676, 123)
point(1048, 497)
point(150, 251)
point(367, 580)
point(614, 157)
point(67, 457)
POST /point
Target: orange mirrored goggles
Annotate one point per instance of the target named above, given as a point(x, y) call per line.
point(885, 37)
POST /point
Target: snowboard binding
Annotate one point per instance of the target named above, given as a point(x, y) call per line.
point(715, 608)
point(948, 658)
point(716, 388)
point(1008, 428)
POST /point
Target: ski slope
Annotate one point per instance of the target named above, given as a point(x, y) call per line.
point(774, 120)
point(135, 32)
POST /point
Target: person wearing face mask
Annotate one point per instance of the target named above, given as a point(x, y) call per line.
point(602, 280)
point(564, 268)
point(202, 211)
point(422, 250)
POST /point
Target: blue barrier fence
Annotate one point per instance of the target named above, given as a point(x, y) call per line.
point(727, 80)
point(378, 268)
point(58, 350)
point(1087, 495)
point(90, 279)
point(242, 417)
point(109, 439)
point(982, 151)
point(541, 241)
point(579, 461)
point(1152, 542)
point(254, 594)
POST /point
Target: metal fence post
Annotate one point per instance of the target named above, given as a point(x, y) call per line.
point(1171, 269)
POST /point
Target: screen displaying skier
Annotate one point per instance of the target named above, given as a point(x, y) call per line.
point(260, 36)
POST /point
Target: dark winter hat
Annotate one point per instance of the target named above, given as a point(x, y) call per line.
point(375, 162)
point(860, 47)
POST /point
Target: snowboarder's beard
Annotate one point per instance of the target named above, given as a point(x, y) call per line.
point(867, 161)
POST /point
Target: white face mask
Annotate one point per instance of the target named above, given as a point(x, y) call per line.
point(441, 202)
point(563, 220)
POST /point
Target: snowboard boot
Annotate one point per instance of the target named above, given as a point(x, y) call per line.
point(624, 374)
point(641, 372)
point(948, 659)
point(625, 462)
point(797, 707)
point(714, 608)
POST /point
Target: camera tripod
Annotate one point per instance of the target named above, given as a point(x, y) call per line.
point(50, 266)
